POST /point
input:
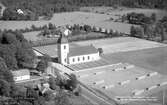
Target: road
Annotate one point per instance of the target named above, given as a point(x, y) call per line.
point(96, 100)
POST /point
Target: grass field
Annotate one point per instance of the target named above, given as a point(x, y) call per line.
point(32, 36)
point(115, 13)
point(109, 45)
point(121, 44)
point(153, 59)
point(70, 18)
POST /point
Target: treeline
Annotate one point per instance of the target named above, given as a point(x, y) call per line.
point(15, 53)
point(36, 8)
point(156, 32)
point(140, 18)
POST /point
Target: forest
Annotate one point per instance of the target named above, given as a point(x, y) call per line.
point(36, 8)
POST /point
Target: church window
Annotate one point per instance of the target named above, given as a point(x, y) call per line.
point(88, 57)
point(64, 47)
point(78, 59)
point(83, 58)
point(73, 59)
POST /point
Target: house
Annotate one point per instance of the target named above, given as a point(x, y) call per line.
point(20, 75)
point(19, 11)
point(68, 56)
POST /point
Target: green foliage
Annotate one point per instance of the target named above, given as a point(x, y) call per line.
point(11, 14)
point(4, 88)
point(87, 28)
point(137, 32)
point(8, 55)
point(53, 84)
point(16, 51)
point(72, 82)
point(62, 98)
point(140, 18)
point(153, 17)
point(43, 64)
point(35, 8)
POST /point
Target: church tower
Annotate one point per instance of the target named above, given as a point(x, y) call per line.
point(63, 49)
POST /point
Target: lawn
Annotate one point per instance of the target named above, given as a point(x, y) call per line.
point(32, 36)
point(115, 13)
point(70, 18)
point(153, 59)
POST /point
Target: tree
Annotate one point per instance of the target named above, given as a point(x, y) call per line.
point(41, 66)
point(4, 88)
point(25, 57)
point(87, 28)
point(162, 33)
point(52, 83)
point(132, 31)
point(51, 26)
point(9, 38)
point(153, 17)
point(8, 54)
point(62, 98)
point(72, 82)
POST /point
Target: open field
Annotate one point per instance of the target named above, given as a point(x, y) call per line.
point(112, 83)
point(121, 44)
point(123, 10)
point(153, 59)
point(32, 36)
point(112, 45)
point(71, 18)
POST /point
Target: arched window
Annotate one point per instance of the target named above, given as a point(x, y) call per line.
point(83, 58)
point(65, 60)
point(88, 57)
point(65, 47)
point(78, 59)
point(73, 59)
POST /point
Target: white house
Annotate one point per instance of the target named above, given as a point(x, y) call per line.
point(19, 75)
point(68, 56)
point(19, 11)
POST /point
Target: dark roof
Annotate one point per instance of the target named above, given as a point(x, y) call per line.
point(83, 50)
point(62, 39)
point(21, 72)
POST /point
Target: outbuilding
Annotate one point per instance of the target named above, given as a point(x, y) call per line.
point(20, 75)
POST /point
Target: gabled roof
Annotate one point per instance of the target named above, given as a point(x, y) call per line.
point(21, 72)
point(83, 50)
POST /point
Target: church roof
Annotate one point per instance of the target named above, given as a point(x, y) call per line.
point(62, 39)
point(84, 50)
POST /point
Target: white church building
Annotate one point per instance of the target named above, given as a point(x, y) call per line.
point(69, 56)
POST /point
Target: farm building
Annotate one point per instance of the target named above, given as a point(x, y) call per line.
point(67, 55)
point(21, 75)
